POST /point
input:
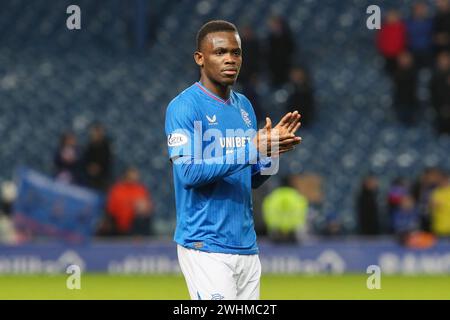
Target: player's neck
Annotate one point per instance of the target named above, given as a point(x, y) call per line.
point(217, 89)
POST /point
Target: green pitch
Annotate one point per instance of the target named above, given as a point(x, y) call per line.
point(298, 287)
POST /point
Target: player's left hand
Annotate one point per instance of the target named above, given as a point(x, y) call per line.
point(289, 124)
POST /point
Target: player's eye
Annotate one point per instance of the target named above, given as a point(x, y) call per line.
point(237, 52)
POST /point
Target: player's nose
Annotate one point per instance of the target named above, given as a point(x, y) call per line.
point(230, 59)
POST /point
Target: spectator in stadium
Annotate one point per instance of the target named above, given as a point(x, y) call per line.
point(440, 207)
point(367, 207)
point(397, 191)
point(440, 92)
point(7, 196)
point(405, 217)
point(8, 193)
point(130, 205)
point(281, 48)
point(142, 23)
point(284, 212)
point(422, 190)
point(441, 26)
point(301, 94)
point(97, 159)
point(419, 35)
point(251, 52)
point(405, 77)
point(333, 224)
point(250, 90)
point(249, 78)
point(391, 39)
point(67, 160)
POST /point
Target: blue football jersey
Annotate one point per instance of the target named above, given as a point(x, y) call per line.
point(214, 206)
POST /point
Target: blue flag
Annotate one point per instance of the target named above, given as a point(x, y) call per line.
point(47, 208)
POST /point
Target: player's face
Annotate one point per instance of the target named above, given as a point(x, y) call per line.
point(221, 57)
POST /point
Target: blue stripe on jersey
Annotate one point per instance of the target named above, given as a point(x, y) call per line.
point(214, 209)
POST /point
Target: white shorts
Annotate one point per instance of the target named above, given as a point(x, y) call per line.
point(217, 276)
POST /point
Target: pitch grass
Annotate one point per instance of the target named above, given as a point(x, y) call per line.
point(295, 287)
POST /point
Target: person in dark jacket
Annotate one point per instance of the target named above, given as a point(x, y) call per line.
point(440, 93)
point(251, 51)
point(405, 77)
point(67, 160)
point(367, 207)
point(281, 48)
point(98, 159)
point(301, 94)
point(441, 26)
point(419, 35)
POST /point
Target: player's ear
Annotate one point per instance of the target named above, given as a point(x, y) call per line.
point(198, 57)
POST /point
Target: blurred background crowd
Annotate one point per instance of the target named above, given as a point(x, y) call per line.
point(87, 107)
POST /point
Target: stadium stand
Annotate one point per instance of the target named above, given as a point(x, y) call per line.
point(53, 79)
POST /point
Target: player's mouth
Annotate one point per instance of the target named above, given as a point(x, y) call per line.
point(230, 71)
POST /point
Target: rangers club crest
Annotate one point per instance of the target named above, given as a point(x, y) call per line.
point(246, 118)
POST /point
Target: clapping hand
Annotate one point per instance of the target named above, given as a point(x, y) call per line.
point(280, 139)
